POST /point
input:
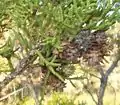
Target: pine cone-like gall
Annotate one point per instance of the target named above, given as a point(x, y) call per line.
point(91, 46)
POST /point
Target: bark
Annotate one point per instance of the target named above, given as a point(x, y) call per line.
point(103, 85)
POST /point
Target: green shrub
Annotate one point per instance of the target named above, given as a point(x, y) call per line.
point(60, 99)
point(63, 99)
point(4, 67)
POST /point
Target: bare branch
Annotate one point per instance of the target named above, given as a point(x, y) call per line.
point(94, 75)
point(22, 65)
point(91, 96)
point(10, 94)
point(111, 68)
point(104, 79)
